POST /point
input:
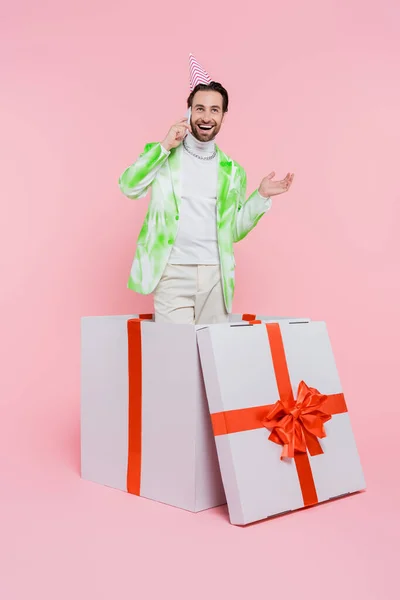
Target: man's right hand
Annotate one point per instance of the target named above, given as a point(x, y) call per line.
point(176, 134)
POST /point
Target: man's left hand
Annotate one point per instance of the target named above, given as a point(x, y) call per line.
point(268, 187)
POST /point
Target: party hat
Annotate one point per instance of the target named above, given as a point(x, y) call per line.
point(197, 73)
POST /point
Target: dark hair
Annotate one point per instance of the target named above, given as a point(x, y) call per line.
point(214, 86)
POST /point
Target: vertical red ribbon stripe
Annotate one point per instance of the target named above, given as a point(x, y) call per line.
point(134, 469)
point(285, 391)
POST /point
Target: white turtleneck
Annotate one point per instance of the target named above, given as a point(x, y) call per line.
point(196, 241)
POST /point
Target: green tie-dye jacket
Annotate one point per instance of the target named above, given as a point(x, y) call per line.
point(236, 216)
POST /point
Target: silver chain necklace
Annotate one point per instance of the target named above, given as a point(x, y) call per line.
point(213, 155)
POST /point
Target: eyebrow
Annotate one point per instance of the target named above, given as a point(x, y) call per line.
point(202, 106)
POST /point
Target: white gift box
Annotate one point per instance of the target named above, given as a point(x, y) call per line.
point(145, 426)
point(246, 370)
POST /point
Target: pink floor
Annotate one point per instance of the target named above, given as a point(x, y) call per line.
point(63, 538)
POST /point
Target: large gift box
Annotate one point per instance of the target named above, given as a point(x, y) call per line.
point(145, 426)
point(279, 416)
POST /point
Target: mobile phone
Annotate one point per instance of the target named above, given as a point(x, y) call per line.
point(188, 116)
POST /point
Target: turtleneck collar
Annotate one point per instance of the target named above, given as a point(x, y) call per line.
point(201, 148)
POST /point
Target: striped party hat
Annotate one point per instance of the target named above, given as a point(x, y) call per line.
point(197, 73)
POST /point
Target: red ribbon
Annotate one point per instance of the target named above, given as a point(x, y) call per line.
point(297, 424)
point(134, 466)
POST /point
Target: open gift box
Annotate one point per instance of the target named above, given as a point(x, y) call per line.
point(145, 426)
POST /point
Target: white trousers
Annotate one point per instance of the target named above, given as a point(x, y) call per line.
point(190, 294)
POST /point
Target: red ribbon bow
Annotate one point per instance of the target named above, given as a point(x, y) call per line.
point(297, 424)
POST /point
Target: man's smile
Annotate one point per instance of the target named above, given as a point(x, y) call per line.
point(205, 127)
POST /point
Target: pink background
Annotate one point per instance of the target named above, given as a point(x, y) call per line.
point(314, 89)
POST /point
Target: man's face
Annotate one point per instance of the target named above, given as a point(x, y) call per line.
point(207, 115)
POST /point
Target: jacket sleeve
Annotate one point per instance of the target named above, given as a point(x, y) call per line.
point(250, 211)
point(136, 179)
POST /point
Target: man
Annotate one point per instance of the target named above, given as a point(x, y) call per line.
point(197, 211)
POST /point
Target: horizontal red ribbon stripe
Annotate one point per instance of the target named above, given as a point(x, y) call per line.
point(246, 419)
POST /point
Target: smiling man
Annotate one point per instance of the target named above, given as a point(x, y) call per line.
point(198, 210)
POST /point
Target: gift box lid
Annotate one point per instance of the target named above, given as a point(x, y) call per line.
point(279, 415)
